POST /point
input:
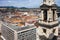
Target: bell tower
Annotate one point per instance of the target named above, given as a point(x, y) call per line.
point(48, 11)
point(48, 21)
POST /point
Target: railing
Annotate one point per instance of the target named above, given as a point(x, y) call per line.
point(48, 23)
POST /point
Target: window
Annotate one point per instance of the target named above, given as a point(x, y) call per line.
point(53, 30)
point(53, 14)
point(45, 15)
point(44, 30)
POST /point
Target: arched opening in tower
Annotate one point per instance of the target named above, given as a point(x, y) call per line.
point(53, 14)
point(45, 15)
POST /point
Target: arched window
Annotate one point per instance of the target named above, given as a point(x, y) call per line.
point(45, 15)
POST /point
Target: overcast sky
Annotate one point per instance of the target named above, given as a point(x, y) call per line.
point(24, 3)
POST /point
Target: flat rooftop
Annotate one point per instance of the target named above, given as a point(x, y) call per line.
point(17, 28)
point(19, 22)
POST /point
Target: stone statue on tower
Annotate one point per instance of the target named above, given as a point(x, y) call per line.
point(48, 2)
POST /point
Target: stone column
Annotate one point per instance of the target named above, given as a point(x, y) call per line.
point(49, 15)
point(41, 15)
point(56, 31)
point(55, 16)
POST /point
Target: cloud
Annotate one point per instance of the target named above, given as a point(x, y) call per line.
point(9, 1)
point(23, 3)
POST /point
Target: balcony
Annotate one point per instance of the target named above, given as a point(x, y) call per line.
point(49, 24)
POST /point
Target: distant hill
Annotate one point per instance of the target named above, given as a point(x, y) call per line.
point(23, 8)
point(12, 7)
point(8, 7)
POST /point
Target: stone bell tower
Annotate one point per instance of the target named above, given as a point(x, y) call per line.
point(48, 22)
